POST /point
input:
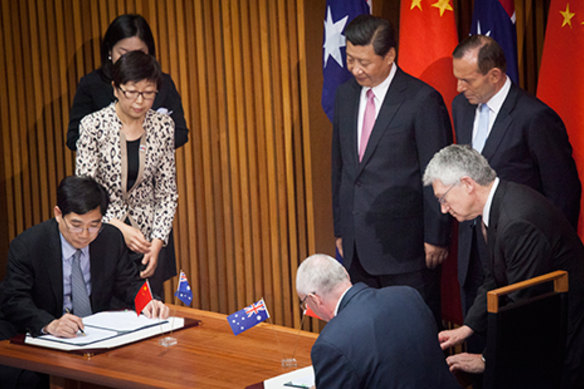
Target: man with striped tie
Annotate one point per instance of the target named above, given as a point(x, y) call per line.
point(66, 268)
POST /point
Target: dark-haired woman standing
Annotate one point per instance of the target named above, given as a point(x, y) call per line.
point(128, 148)
point(126, 33)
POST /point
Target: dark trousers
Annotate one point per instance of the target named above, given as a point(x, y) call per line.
point(165, 270)
point(474, 279)
point(479, 256)
point(425, 281)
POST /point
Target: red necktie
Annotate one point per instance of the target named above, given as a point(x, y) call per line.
point(368, 122)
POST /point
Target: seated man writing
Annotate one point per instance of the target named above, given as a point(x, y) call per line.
point(69, 267)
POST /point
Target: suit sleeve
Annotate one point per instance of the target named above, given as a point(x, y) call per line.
point(550, 147)
point(331, 368)
point(336, 170)
point(86, 161)
point(83, 105)
point(127, 281)
point(476, 318)
point(19, 306)
point(525, 253)
point(433, 132)
point(173, 104)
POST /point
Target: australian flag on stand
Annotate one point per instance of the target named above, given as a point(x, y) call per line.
point(248, 317)
point(183, 291)
point(496, 18)
point(334, 66)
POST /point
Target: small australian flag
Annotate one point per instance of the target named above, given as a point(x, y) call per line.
point(183, 291)
point(248, 317)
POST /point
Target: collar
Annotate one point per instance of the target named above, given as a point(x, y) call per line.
point(67, 250)
point(496, 102)
point(381, 89)
point(341, 299)
point(487, 207)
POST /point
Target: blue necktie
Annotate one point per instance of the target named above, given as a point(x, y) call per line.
point(482, 129)
point(81, 304)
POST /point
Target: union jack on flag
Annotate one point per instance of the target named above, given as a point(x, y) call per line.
point(183, 291)
point(248, 317)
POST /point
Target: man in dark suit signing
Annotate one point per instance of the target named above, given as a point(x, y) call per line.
point(527, 236)
point(524, 140)
point(66, 268)
point(387, 125)
point(375, 338)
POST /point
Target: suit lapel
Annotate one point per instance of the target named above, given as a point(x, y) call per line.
point(55, 263)
point(501, 124)
point(465, 133)
point(96, 256)
point(494, 221)
point(391, 104)
point(353, 116)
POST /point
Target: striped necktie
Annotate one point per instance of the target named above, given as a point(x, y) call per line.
point(81, 304)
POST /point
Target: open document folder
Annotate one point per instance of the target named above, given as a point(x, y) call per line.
point(105, 330)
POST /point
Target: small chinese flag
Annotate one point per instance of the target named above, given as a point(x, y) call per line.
point(143, 297)
point(310, 312)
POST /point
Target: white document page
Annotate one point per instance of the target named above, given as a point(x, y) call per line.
point(121, 321)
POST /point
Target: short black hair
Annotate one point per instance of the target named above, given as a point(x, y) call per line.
point(81, 195)
point(490, 55)
point(136, 66)
point(122, 27)
point(367, 29)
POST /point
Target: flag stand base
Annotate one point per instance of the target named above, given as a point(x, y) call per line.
point(289, 362)
point(168, 341)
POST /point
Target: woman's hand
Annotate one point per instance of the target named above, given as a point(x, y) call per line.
point(151, 258)
point(133, 237)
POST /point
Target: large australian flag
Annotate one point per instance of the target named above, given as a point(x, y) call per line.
point(496, 18)
point(334, 66)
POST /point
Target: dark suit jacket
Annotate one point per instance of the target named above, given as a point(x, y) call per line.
point(528, 237)
point(381, 338)
point(33, 287)
point(95, 92)
point(528, 144)
point(379, 205)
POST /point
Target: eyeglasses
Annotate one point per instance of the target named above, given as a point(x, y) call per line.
point(442, 199)
point(133, 94)
point(78, 230)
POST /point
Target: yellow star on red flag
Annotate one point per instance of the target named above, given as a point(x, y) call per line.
point(416, 3)
point(443, 5)
point(567, 16)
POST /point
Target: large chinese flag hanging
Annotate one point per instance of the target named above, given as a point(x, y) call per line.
point(427, 37)
point(561, 76)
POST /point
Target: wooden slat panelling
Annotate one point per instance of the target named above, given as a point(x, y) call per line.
point(247, 211)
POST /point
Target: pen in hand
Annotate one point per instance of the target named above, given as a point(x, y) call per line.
point(69, 312)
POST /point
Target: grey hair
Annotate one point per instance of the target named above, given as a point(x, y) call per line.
point(453, 162)
point(320, 274)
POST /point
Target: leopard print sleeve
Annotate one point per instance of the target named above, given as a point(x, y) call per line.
point(165, 190)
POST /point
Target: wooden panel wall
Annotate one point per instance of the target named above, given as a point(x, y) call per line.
point(244, 179)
